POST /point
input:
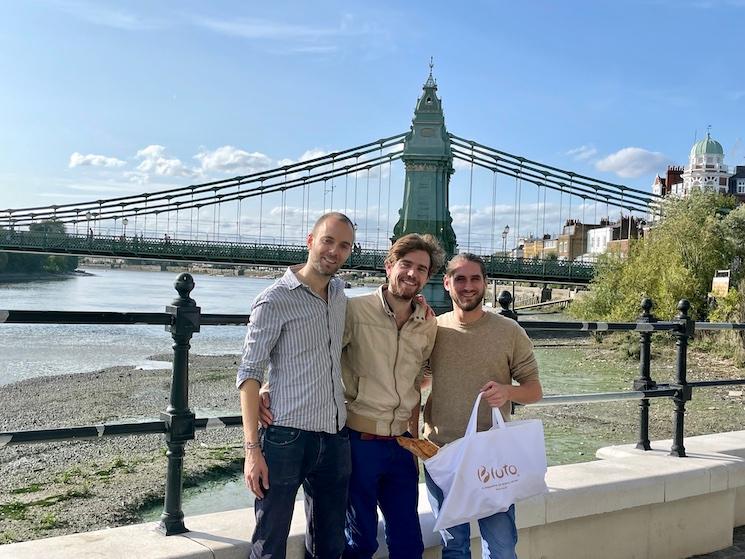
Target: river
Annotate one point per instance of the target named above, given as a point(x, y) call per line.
point(33, 350)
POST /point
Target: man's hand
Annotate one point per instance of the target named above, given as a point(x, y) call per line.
point(496, 394)
point(255, 472)
point(428, 312)
point(265, 413)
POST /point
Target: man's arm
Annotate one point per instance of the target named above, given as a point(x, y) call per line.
point(526, 393)
point(255, 471)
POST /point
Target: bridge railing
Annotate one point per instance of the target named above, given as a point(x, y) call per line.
point(538, 268)
point(178, 423)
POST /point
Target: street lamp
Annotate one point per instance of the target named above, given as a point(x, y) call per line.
point(124, 222)
point(505, 232)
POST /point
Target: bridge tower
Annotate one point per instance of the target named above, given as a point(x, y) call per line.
point(429, 163)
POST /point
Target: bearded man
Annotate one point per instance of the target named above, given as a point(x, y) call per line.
point(476, 351)
point(387, 341)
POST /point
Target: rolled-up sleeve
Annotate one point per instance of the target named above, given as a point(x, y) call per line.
point(264, 327)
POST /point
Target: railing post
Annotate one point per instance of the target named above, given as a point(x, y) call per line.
point(505, 299)
point(683, 394)
point(178, 417)
point(645, 382)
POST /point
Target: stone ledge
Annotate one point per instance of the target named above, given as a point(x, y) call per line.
point(584, 501)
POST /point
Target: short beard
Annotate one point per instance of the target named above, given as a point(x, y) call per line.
point(478, 303)
point(398, 295)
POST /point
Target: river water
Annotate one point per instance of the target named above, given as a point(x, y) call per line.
point(33, 350)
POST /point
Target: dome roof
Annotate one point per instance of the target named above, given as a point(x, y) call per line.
point(707, 146)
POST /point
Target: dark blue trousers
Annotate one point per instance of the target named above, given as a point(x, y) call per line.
point(386, 475)
point(320, 463)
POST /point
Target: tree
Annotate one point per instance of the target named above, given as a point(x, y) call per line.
point(35, 263)
point(677, 260)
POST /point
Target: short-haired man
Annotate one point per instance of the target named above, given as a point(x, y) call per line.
point(476, 351)
point(387, 341)
point(295, 335)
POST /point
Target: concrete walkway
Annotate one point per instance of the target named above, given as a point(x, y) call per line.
point(737, 551)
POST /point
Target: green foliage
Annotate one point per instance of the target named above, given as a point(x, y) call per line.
point(49, 521)
point(676, 261)
point(27, 263)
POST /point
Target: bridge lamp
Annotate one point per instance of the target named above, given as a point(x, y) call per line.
point(505, 232)
point(124, 222)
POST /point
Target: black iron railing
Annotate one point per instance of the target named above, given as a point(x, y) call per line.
point(644, 388)
point(183, 318)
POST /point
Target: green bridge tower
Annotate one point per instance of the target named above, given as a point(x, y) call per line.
point(429, 163)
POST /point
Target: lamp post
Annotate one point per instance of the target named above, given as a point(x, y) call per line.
point(505, 232)
point(124, 222)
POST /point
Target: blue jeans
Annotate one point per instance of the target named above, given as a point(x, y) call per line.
point(383, 474)
point(498, 532)
point(319, 462)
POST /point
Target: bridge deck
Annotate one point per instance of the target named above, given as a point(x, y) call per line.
point(222, 252)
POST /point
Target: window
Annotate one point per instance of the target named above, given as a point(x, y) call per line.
point(741, 186)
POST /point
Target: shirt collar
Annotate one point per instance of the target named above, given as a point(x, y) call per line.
point(289, 279)
point(419, 312)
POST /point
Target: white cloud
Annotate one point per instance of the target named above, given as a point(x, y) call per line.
point(582, 153)
point(154, 161)
point(92, 160)
point(229, 159)
point(265, 29)
point(632, 162)
point(312, 154)
point(97, 14)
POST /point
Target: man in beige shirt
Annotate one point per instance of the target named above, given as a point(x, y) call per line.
point(476, 351)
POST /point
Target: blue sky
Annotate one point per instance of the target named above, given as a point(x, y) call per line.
point(102, 99)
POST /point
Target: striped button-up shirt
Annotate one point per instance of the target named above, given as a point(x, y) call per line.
point(294, 337)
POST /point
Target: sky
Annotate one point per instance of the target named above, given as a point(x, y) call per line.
point(101, 99)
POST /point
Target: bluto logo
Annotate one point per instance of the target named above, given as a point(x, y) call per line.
point(486, 474)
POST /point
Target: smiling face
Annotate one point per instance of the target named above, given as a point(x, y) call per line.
point(466, 285)
point(408, 274)
point(329, 246)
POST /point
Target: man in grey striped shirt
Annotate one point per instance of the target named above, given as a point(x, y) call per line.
point(294, 336)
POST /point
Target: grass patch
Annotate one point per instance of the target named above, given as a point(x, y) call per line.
point(116, 464)
point(33, 488)
point(50, 521)
point(8, 537)
point(222, 454)
point(15, 510)
point(68, 476)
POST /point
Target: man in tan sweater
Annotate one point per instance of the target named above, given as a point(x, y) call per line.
point(476, 351)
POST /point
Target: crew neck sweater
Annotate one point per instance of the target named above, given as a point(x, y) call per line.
point(464, 359)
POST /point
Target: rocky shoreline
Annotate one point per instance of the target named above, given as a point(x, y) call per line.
point(59, 488)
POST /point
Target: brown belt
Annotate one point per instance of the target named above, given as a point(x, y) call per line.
point(372, 437)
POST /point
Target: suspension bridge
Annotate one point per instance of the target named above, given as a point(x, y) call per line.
point(261, 218)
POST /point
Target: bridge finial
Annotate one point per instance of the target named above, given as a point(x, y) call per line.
point(431, 80)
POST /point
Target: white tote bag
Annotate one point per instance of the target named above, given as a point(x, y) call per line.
point(485, 472)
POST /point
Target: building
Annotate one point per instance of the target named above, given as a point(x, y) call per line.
point(573, 239)
point(705, 169)
point(737, 184)
point(614, 238)
point(540, 248)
